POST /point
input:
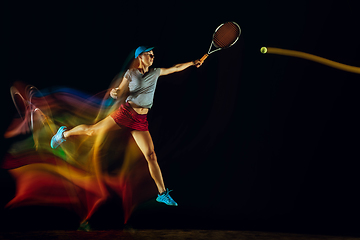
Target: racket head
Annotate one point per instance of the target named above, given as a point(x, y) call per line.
point(226, 35)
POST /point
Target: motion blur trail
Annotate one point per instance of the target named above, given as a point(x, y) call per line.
point(79, 174)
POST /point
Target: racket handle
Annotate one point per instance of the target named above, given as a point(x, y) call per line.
point(203, 58)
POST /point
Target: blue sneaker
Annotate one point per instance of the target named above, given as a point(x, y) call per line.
point(58, 138)
point(165, 198)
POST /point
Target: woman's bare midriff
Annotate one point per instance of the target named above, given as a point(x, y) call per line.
point(138, 109)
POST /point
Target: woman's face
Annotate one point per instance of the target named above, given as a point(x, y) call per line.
point(147, 58)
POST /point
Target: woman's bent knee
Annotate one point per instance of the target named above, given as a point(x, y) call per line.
point(151, 156)
point(89, 130)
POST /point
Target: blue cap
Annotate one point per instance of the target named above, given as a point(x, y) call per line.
point(142, 49)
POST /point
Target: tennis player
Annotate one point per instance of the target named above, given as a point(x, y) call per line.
point(139, 85)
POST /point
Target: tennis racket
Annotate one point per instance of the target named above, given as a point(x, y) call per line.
point(224, 37)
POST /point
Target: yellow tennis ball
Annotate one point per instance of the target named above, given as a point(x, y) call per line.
point(263, 50)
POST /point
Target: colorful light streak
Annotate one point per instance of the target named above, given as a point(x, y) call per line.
point(79, 174)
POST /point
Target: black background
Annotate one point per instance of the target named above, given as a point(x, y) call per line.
point(248, 141)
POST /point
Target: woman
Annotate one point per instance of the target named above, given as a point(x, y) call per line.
point(140, 83)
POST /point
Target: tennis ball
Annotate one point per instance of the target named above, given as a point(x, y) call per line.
point(263, 50)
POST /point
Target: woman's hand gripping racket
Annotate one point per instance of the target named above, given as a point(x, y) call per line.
point(224, 37)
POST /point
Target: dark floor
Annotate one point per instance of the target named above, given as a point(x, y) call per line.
point(162, 234)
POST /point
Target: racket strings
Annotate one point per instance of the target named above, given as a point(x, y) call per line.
point(226, 35)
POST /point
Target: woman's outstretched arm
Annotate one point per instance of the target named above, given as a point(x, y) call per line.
point(179, 67)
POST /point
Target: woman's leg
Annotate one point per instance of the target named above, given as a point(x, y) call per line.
point(144, 141)
point(107, 124)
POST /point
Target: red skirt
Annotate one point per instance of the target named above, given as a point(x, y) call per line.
point(126, 116)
